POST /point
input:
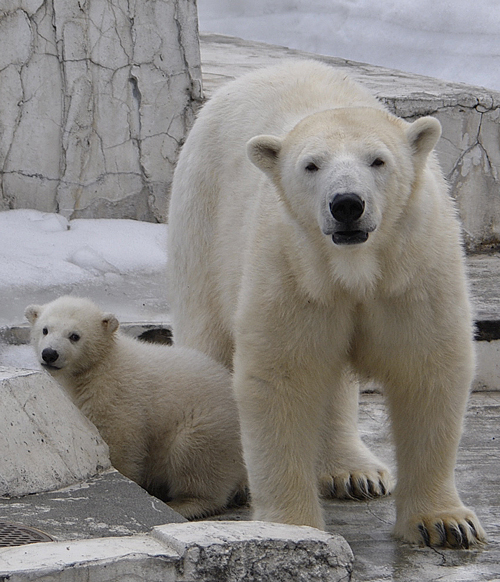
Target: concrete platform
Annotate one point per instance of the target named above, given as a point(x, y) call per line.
point(105, 505)
point(110, 506)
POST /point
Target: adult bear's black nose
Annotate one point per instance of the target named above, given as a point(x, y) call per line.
point(347, 208)
point(49, 355)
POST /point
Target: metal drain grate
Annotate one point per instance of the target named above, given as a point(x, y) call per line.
point(13, 534)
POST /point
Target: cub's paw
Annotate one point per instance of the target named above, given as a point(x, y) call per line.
point(457, 529)
point(356, 484)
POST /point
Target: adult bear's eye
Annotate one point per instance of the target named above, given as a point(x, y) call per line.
point(74, 337)
point(377, 162)
point(45, 331)
point(311, 167)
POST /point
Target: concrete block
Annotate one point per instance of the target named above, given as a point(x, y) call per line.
point(45, 441)
point(135, 558)
point(96, 98)
point(190, 552)
point(256, 551)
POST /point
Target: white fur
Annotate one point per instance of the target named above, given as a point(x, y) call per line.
point(257, 283)
point(168, 414)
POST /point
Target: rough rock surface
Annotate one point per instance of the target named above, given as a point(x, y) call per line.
point(38, 451)
point(96, 99)
point(189, 552)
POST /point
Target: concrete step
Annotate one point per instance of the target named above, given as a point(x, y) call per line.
point(192, 552)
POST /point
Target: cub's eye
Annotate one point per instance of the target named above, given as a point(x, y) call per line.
point(74, 337)
point(377, 162)
point(45, 331)
point(311, 167)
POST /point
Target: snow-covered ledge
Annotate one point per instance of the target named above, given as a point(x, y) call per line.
point(96, 98)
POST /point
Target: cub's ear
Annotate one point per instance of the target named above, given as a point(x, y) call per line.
point(109, 323)
point(32, 312)
point(263, 151)
point(423, 134)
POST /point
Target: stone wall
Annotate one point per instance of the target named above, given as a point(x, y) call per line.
point(96, 98)
point(468, 151)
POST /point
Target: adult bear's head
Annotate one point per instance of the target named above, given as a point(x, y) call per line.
point(348, 172)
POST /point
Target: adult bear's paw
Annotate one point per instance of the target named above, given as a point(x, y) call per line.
point(458, 528)
point(356, 484)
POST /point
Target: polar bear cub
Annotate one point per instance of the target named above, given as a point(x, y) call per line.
point(167, 414)
point(311, 235)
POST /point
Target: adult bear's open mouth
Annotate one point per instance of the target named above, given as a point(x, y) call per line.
point(349, 237)
point(49, 366)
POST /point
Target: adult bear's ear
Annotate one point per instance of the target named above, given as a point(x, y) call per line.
point(263, 151)
point(32, 312)
point(423, 134)
point(109, 323)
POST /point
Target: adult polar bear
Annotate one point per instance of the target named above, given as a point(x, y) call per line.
point(338, 249)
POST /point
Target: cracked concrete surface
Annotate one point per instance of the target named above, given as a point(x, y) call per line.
point(97, 96)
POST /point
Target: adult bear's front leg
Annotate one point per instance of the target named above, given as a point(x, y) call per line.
point(427, 403)
point(280, 434)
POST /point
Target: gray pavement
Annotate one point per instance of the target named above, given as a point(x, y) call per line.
point(106, 505)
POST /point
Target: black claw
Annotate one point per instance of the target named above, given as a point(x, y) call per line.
point(363, 490)
point(457, 535)
point(372, 491)
point(442, 533)
point(349, 488)
point(473, 528)
point(425, 534)
point(382, 487)
point(465, 537)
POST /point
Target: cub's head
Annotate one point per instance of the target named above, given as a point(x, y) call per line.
point(70, 335)
point(348, 172)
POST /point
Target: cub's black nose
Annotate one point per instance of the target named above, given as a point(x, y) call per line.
point(49, 355)
point(347, 208)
